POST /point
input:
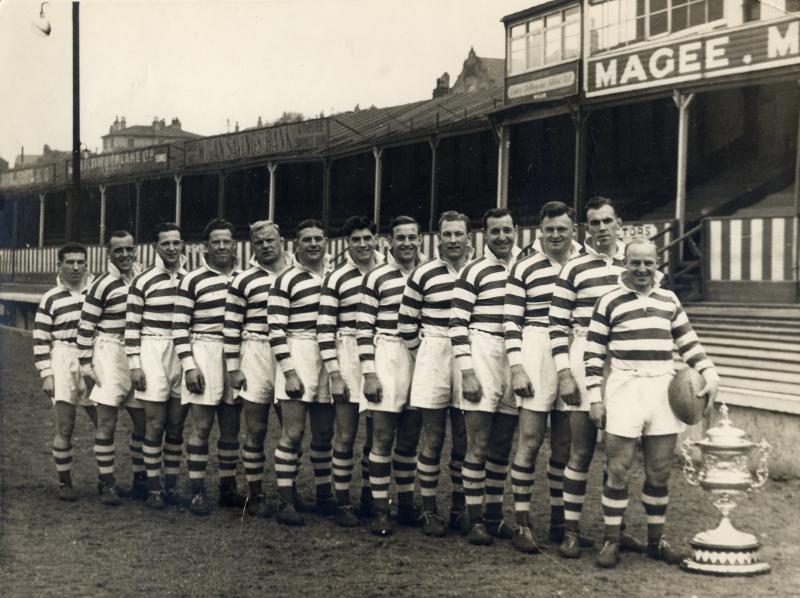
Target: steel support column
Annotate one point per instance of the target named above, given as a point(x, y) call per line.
point(503, 151)
point(682, 102)
point(796, 237)
point(272, 167)
point(434, 143)
point(102, 215)
point(178, 178)
point(221, 194)
point(580, 120)
point(377, 152)
point(326, 192)
point(42, 197)
point(137, 229)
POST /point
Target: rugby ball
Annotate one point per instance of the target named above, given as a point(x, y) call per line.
point(683, 399)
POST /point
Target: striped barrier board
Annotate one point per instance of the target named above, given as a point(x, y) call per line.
point(746, 257)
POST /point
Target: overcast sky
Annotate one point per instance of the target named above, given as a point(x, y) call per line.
point(209, 61)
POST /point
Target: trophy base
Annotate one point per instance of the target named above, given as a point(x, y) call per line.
point(725, 551)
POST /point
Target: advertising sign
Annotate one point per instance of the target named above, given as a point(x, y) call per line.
point(27, 177)
point(546, 84)
point(147, 159)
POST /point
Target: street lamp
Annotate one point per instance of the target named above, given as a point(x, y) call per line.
point(42, 26)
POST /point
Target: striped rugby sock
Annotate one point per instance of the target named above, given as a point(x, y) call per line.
point(63, 460)
point(321, 457)
point(574, 497)
point(227, 458)
point(457, 482)
point(254, 460)
point(522, 486)
point(285, 471)
point(404, 466)
point(365, 483)
point(496, 475)
point(197, 460)
point(342, 465)
point(474, 476)
point(615, 501)
point(137, 458)
point(380, 475)
point(105, 453)
point(555, 480)
point(173, 451)
point(153, 452)
point(428, 476)
point(655, 500)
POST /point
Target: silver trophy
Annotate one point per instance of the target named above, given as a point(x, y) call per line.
point(725, 474)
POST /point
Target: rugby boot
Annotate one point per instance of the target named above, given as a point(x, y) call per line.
point(459, 521)
point(408, 515)
point(301, 504)
point(433, 525)
point(629, 543)
point(326, 506)
point(608, 557)
point(556, 536)
point(663, 551)
point(139, 489)
point(257, 506)
point(478, 535)
point(288, 515)
point(67, 493)
point(199, 505)
point(381, 524)
point(570, 547)
point(499, 528)
point(155, 500)
point(366, 506)
point(175, 499)
point(109, 494)
point(346, 516)
point(229, 497)
point(523, 540)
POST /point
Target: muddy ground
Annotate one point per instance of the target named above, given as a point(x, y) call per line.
point(51, 548)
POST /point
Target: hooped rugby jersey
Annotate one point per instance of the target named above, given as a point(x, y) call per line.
point(57, 320)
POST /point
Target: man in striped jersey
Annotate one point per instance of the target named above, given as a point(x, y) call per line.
point(533, 374)
point(336, 333)
point(197, 325)
point(154, 366)
point(104, 366)
point(55, 353)
point(634, 326)
point(476, 332)
point(248, 356)
point(387, 366)
point(580, 283)
point(301, 383)
point(435, 388)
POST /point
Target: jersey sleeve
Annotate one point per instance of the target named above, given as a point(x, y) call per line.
point(560, 316)
point(91, 313)
point(278, 318)
point(235, 307)
point(327, 319)
point(365, 323)
point(689, 347)
point(182, 321)
point(408, 319)
point(514, 315)
point(594, 355)
point(133, 323)
point(464, 296)
point(43, 338)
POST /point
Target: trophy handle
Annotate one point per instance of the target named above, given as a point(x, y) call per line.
point(689, 471)
point(762, 471)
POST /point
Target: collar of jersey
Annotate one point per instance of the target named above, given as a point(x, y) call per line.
point(327, 265)
point(379, 259)
point(391, 261)
point(575, 248)
point(657, 279)
point(620, 255)
point(214, 270)
point(159, 263)
point(287, 257)
point(114, 271)
point(489, 255)
point(88, 278)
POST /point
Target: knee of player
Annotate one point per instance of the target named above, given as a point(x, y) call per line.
point(431, 444)
point(618, 472)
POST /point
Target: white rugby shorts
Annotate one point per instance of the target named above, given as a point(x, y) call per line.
point(394, 366)
point(349, 365)
point(436, 383)
point(304, 350)
point(68, 383)
point(161, 368)
point(110, 365)
point(639, 405)
point(537, 361)
point(207, 352)
point(494, 374)
point(258, 365)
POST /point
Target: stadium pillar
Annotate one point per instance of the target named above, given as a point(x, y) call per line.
point(102, 215)
point(797, 212)
point(221, 194)
point(41, 219)
point(74, 205)
point(137, 229)
point(579, 119)
point(178, 178)
point(682, 102)
point(271, 167)
point(503, 151)
point(434, 143)
point(377, 152)
point(326, 191)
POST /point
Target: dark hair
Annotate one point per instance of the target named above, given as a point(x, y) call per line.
point(118, 234)
point(71, 247)
point(399, 221)
point(495, 213)
point(217, 224)
point(554, 209)
point(309, 223)
point(357, 222)
point(453, 216)
point(165, 227)
point(597, 202)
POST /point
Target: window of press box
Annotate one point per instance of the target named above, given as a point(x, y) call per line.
point(546, 40)
point(617, 23)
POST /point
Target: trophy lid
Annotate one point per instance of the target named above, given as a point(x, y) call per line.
point(725, 434)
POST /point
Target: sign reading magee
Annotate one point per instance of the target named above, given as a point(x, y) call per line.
point(281, 139)
point(142, 160)
point(37, 176)
point(751, 47)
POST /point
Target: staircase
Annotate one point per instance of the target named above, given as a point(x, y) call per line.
point(684, 273)
point(756, 351)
